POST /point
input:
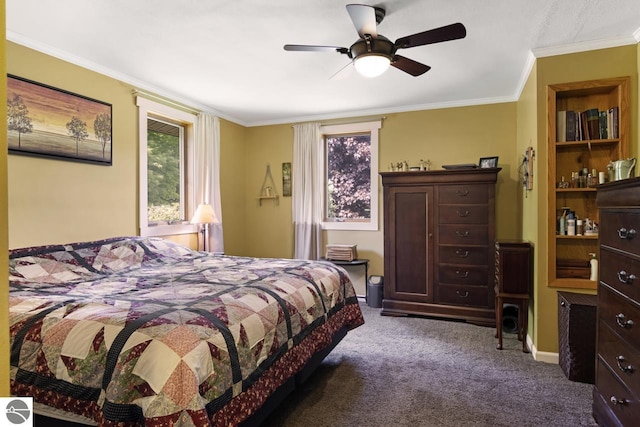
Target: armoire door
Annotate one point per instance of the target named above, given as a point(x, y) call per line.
point(409, 244)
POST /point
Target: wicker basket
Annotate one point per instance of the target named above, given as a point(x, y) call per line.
point(577, 335)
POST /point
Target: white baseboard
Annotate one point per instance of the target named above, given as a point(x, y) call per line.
point(542, 356)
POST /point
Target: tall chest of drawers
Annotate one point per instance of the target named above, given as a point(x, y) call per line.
point(616, 395)
point(439, 234)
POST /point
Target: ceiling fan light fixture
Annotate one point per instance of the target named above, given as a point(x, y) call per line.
point(372, 65)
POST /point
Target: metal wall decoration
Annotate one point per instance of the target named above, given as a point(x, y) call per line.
point(48, 122)
point(286, 179)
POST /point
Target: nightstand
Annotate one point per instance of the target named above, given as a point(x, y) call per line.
point(514, 278)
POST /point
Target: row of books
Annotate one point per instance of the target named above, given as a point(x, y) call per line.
point(586, 125)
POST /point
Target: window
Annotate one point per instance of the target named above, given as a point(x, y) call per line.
point(166, 169)
point(351, 178)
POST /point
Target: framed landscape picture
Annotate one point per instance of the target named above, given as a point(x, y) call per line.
point(48, 122)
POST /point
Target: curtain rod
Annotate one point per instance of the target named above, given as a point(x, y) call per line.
point(164, 100)
point(347, 121)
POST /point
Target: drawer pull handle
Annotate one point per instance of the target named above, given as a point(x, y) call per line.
point(625, 277)
point(461, 273)
point(462, 214)
point(461, 295)
point(462, 254)
point(617, 401)
point(620, 320)
point(462, 233)
point(628, 368)
point(463, 193)
point(625, 234)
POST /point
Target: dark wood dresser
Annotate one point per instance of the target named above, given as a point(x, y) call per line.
point(439, 234)
point(616, 396)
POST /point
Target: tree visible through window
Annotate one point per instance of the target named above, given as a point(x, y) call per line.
point(348, 177)
point(163, 172)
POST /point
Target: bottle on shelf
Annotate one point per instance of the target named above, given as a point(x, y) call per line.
point(594, 266)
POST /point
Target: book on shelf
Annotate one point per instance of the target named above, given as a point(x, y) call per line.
point(561, 126)
point(586, 125)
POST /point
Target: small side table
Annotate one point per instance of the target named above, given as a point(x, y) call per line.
point(359, 261)
point(514, 279)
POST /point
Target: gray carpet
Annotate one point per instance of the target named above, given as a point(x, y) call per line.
point(410, 371)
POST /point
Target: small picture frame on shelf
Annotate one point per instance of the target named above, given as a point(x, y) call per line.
point(488, 162)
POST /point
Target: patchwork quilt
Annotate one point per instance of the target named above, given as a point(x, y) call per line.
point(142, 331)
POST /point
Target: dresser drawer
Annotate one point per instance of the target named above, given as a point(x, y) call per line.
point(463, 275)
point(463, 234)
point(463, 214)
point(621, 273)
point(470, 255)
point(620, 230)
point(627, 406)
point(463, 194)
point(619, 313)
point(463, 295)
point(622, 358)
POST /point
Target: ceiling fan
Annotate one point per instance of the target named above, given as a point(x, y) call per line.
point(372, 53)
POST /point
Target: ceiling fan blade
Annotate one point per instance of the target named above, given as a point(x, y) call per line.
point(364, 19)
point(311, 48)
point(437, 35)
point(409, 66)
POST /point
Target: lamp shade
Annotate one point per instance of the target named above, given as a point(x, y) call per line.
point(372, 65)
point(204, 215)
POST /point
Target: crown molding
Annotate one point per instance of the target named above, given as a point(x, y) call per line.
point(528, 67)
point(92, 66)
point(585, 46)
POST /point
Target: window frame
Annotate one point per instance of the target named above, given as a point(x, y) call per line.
point(150, 109)
point(372, 128)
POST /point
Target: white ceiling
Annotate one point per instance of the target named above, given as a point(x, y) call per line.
point(227, 56)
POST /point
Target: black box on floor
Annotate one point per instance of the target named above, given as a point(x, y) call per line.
point(577, 335)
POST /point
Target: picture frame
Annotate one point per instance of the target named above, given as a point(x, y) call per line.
point(488, 162)
point(44, 121)
point(286, 179)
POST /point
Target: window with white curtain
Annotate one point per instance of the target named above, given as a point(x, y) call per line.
point(167, 144)
point(351, 176)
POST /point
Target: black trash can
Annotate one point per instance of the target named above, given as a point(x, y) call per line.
point(374, 291)
point(577, 335)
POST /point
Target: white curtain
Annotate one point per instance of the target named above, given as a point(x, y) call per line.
point(207, 174)
point(307, 190)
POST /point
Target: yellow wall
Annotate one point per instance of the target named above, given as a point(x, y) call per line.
point(597, 64)
point(528, 200)
point(83, 202)
point(233, 174)
point(4, 239)
point(55, 201)
point(444, 136)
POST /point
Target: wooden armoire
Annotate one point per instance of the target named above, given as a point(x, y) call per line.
point(439, 244)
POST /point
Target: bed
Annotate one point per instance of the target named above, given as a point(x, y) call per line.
point(143, 331)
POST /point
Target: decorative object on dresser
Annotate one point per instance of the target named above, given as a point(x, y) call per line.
point(514, 279)
point(577, 336)
point(439, 233)
point(616, 395)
